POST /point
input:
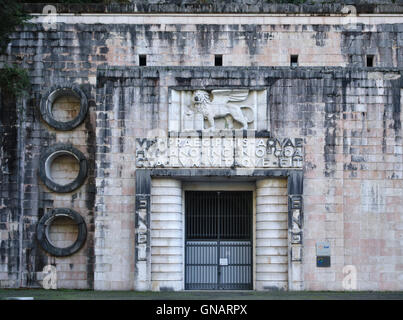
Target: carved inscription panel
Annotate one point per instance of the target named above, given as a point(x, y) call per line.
point(215, 152)
point(142, 211)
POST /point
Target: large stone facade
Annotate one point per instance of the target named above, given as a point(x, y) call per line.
point(318, 144)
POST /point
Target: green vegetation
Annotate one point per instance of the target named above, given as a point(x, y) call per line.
point(14, 79)
point(11, 16)
point(64, 294)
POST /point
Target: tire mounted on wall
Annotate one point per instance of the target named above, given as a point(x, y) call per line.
point(52, 95)
point(43, 228)
point(52, 153)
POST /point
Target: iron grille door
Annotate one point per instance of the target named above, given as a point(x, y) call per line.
point(218, 240)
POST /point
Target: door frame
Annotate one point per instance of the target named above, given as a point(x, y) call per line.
point(221, 186)
point(295, 183)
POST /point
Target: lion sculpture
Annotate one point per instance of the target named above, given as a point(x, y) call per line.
point(221, 106)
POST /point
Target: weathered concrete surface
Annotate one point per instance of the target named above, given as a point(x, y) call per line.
point(351, 124)
point(349, 116)
point(230, 6)
point(9, 204)
point(74, 51)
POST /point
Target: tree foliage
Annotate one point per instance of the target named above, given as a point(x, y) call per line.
point(14, 79)
point(11, 16)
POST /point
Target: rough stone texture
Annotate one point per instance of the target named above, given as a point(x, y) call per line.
point(351, 124)
point(63, 232)
point(74, 51)
point(22, 258)
point(9, 186)
point(350, 119)
point(230, 6)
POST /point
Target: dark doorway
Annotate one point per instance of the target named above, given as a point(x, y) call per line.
point(218, 236)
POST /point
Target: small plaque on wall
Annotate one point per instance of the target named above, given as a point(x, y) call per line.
point(323, 261)
point(223, 262)
point(323, 248)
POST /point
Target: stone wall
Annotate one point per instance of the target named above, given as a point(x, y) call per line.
point(349, 118)
point(350, 121)
point(74, 51)
point(23, 258)
point(9, 186)
point(229, 6)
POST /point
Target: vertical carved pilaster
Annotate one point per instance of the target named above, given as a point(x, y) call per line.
point(295, 230)
point(142, 255)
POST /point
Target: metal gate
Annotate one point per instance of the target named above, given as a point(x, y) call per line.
point(218, 240)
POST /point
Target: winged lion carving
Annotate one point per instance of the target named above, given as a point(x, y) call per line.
point(223, 103)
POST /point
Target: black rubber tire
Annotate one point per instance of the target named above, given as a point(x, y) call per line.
point(47, 102)
point(46, 221)
point(52, 153)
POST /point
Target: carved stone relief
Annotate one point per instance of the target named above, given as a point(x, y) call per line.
point(214, 152)
point(219, 109)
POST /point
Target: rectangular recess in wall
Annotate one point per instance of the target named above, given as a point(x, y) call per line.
point(218, 60)
point(370, 61)
point(294, 60)
point(142, 60)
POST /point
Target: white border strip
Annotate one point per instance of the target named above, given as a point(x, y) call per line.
point(220, 19)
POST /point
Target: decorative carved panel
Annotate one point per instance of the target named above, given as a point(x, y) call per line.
point(209, 151)
point(218, 109)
